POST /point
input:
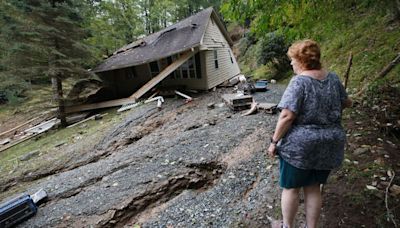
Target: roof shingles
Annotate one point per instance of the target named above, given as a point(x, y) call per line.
point(174, 39)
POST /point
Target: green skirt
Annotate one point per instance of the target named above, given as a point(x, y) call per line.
point(292, 177)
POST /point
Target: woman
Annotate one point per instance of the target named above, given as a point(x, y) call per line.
point(308, 137)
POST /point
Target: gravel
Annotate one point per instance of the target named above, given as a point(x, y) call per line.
point(186, 165)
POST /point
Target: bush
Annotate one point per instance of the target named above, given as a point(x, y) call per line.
point(246, 42)
point(272, 52)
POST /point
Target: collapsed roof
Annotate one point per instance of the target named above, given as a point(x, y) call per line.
point(174, 39)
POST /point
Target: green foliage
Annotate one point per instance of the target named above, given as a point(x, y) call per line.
point(272, 51)
point(41, 39)
point(368, 29)
point(113, 24)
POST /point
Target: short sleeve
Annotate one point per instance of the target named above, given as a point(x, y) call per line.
point(293, 96)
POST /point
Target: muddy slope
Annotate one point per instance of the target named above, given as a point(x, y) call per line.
point(185, 165)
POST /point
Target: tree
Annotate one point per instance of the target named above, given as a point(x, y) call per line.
point(47, 43)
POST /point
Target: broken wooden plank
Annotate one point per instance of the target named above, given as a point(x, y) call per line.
point(188, 98)
point(21, 125)
point(132, 99)
point(163, 74)
point(42, 127)
point(253, 109)
point(18, 141)
point(128, 106)
point(104, 104)
point(87, 119)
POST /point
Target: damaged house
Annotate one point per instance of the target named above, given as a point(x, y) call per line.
point(194, 53)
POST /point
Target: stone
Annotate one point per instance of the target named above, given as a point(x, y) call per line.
point(5, 141)
point(29, 155)
point(361, 150)
point(395, 190)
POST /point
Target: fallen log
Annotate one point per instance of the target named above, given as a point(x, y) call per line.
point(382, 74)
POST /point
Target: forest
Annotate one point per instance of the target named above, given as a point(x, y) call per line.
point(61, 39)
point(49, 45)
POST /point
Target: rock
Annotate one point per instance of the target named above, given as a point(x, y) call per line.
point(211, 105)
point(29, 155)
point(5, 141)
point(370, 187)
point(395, 190)
point(360, 151)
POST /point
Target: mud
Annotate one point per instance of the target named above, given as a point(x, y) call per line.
point(183, 166)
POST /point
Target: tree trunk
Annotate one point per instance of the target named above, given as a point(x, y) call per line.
point(58, 97)
point(397, 10)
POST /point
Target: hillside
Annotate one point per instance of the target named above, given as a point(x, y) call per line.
point(189, 165)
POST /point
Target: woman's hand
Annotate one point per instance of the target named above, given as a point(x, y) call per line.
point(272, 150)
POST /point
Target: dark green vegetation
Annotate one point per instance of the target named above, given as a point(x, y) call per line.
point(368, 29)
point(41, 39)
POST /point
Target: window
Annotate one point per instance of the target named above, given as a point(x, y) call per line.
point(192, 72)
point(184, 69)
point(215, 59)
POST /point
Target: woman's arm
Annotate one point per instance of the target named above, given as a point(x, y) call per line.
point(347, 103)
point(285, 121)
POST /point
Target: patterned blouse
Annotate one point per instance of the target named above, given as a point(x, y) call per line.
point(316, 138)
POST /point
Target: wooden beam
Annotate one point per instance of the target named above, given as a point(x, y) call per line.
point(104, 104)
point(163, 74)
point(19, 126)
point(132, 99)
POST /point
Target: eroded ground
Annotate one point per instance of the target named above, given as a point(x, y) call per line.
point(190, 166)
point(185, 165)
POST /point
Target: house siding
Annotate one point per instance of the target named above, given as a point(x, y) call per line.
point(226, 69)
point(214, 40)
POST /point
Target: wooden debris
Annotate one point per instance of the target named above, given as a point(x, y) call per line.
point(188, 98)
point(16, 142)
point(163, 74)
point(388, 211)
point(238, 103)
point(104, 104)
point(128, 106)
point(87, 119)
point(42, 127)
point(270, 108)
point(159, 99)
point(253, 109)
point(21, 125)
point(382, 74)
point(153, 95)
